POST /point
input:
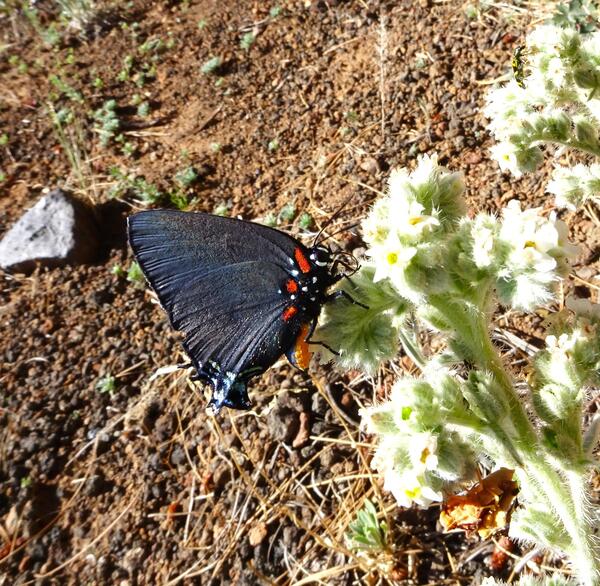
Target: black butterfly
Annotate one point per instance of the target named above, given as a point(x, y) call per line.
point(242, 293)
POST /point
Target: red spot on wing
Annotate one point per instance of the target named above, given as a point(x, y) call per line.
point(289, 313)
point(301, 260)
point(291, 286)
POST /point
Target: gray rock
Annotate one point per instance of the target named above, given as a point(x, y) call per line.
point(59, 229)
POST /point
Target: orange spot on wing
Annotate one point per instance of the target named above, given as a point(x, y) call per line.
point(291, 286)
point(289, 312)
point(301, 260)
point(301, 351)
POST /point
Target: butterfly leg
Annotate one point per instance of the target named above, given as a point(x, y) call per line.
point(346, 296)
point(308, 339)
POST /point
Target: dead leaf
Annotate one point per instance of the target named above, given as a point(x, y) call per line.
point(486, 506)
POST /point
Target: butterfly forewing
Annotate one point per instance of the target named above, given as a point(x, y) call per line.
point(219, 280)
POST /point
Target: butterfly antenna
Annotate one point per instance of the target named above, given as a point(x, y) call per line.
point(344, 229)
point(335, 214)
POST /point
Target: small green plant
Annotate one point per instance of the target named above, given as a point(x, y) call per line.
point(97, 83)
point(270, 219)
point(273, 145)
point(305, 221)
point(127, 147)
point(107, 384)
point(135, 274)
point(366, 531)
point(69, 131)
point(16, 61)
point(202, 24)
point(49, 36)
point(3, 139)
point(108, 122)
point(118, 270)
point(64, 88)
point(215, 147)
point(212, 66)
point(154, 45)
point(471, 11)
point(131, 185)
point(582, 15)
point(287, 213)
point(148, 73)
point(186, 177)
point(26, 482)
point(70, 58)
point(247, 41)
point(179, 199)
point(143, 109)
point(65, 116)
point(275, 11)
point(126, 70)
point(222, 209)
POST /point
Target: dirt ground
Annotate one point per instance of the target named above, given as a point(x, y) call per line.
point(113, 474)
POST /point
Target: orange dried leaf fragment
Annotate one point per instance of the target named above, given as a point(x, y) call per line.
point(486, 506)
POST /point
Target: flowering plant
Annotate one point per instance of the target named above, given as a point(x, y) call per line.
point(429, 263)
point(558, 102)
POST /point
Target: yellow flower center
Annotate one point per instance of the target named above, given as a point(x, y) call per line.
point(392, 258)
point(413, 493)
point(416, 220)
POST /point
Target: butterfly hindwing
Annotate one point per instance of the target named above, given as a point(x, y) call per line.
point(219, 280)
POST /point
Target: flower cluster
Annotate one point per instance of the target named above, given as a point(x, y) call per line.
point(405, 228)
point(558, 102)
point(572, 186)
point(429, 263)
point(419, 454)
point(533, 255)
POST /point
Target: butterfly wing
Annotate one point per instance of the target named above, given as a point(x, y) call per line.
point(219, 281)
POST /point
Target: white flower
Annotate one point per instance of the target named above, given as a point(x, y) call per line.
point(591, 44)
point(533, 246)
point(545, 38)
point(423, 451)
point(375, 227)
point(404, 460)
point(532, 290)
point(555, 71)
point(484, 233)
point(506, 107)
point(427, 170)
point(399, 183)
point(408, 488)
point(561, 348)
point(407, 220)
point(567, 186)
point(390, 257)
point(506, 154)
point(535, 241)
point(571, 186)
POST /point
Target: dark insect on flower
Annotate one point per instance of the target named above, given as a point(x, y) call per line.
point(518, 66)
point(242, 293)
